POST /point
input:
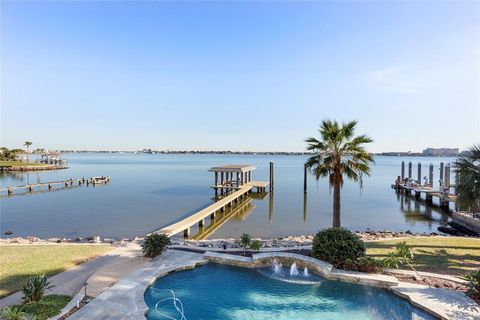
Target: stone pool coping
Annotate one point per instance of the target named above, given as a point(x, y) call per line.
point(320, 267)
point(125, 300)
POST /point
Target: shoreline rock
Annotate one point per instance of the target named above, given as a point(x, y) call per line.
point(277, 242)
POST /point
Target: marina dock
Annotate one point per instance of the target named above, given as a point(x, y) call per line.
point(234, 185)
point(443, 192)
point(51, 184)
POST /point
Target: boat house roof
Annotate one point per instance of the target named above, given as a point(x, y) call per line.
point(233, 168)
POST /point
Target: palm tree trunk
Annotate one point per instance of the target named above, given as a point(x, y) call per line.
point(336, 206)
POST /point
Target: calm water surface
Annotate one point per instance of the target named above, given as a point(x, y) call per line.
point(147, 192)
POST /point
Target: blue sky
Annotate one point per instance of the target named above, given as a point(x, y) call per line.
point(238, 75)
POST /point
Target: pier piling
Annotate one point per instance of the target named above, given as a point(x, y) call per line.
point(441, 174)
point(430, 175)
point(403, 171)
point(410, 170)
point(428, 198)
point(447, 175)
point(419, 173)
point(271, 176)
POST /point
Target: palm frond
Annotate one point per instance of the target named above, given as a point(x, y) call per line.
point(339, 153)
point(467, 169)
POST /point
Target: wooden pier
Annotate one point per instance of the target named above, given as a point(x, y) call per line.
point(51, 184)
point(409, 185)
point(235, 184)
point(240, 211)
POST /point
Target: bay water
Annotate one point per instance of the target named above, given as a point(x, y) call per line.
point(149, 191)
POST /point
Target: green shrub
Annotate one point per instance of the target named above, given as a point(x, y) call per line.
point(35, 287)
point(48, 306)
point(403, 255)
point(12, 313)
point(337, 246)
point(473, 279)
point(245, 241)
point(255, 245)
point(154, 244)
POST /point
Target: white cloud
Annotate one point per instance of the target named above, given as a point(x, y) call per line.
point(398, 79)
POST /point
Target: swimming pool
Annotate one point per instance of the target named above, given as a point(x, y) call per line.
point(224, 292)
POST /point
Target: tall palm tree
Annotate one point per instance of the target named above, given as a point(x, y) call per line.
point(467, 188)
point(339, 153)
point(27, 144)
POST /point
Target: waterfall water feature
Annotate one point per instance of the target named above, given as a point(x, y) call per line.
point(305, 272)
point(293, 270)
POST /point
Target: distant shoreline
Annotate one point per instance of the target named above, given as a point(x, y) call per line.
point(7, 166)
point(274, 153)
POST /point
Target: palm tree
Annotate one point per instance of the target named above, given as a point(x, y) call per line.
point(27, 144)
point(467, 188)
point(339, 153)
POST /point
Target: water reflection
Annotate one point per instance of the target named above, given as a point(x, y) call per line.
point(421, 212)
point(270, 207)
point(239, 212)
point(305, 207)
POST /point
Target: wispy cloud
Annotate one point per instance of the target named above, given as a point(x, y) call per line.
point(398, 79)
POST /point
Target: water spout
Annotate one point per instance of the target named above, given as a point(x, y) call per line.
point(294, 270)
point(305, 272)
point(277, 267)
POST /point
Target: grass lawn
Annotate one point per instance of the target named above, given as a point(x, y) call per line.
point(18, 262)
point(47, 307)
point(20, 164)
point(444, 255)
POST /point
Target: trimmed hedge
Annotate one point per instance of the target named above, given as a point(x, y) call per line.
point(338, 246)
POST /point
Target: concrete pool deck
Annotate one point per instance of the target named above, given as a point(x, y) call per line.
point(125, 300)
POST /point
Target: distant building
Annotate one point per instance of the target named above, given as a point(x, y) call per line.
point(440, 152)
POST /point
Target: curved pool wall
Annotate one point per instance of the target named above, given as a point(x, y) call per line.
point(216, 291)
point(126, 299)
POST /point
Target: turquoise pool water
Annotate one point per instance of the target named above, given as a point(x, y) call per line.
point(224, 292)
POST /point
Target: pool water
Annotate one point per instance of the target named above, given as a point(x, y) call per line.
point(224, 292)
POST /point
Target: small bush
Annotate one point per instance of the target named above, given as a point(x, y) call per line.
point(12, 313)
point(48, 306)
point(338, 246)
point(245, 241)
point(154, 244)
point(35, 287)
point(255, 245)
point(403, 255)
point(473, 279)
